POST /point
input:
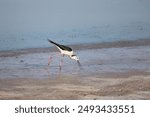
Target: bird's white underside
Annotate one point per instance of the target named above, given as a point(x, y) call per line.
point(64, 52)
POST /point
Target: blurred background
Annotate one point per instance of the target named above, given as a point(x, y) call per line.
point(28, 23)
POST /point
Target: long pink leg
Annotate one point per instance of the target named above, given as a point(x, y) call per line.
point(61, 62)
point(49, 60)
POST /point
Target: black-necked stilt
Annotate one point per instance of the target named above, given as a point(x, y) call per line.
point(64, 50)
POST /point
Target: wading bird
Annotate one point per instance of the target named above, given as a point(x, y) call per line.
point(64, 50)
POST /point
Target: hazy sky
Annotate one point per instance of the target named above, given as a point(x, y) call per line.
point(58, 14)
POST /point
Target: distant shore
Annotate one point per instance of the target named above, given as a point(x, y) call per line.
point(111, 70)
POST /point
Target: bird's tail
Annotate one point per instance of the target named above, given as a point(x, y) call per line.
point(53, 42)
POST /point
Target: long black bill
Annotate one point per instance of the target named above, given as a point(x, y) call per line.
point(79, 63)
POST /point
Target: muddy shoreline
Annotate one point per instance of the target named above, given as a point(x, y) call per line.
point(119, 70)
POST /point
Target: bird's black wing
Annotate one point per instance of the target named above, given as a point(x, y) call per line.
point(61, 46)
point(65, 48)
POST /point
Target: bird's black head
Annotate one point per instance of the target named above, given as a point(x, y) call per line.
point(75, 57)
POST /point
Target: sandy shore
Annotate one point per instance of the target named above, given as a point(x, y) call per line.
point(117, 70)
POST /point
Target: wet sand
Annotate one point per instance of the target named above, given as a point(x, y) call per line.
point(117, 70)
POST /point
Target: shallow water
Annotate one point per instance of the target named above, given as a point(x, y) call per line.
point(92, 62)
